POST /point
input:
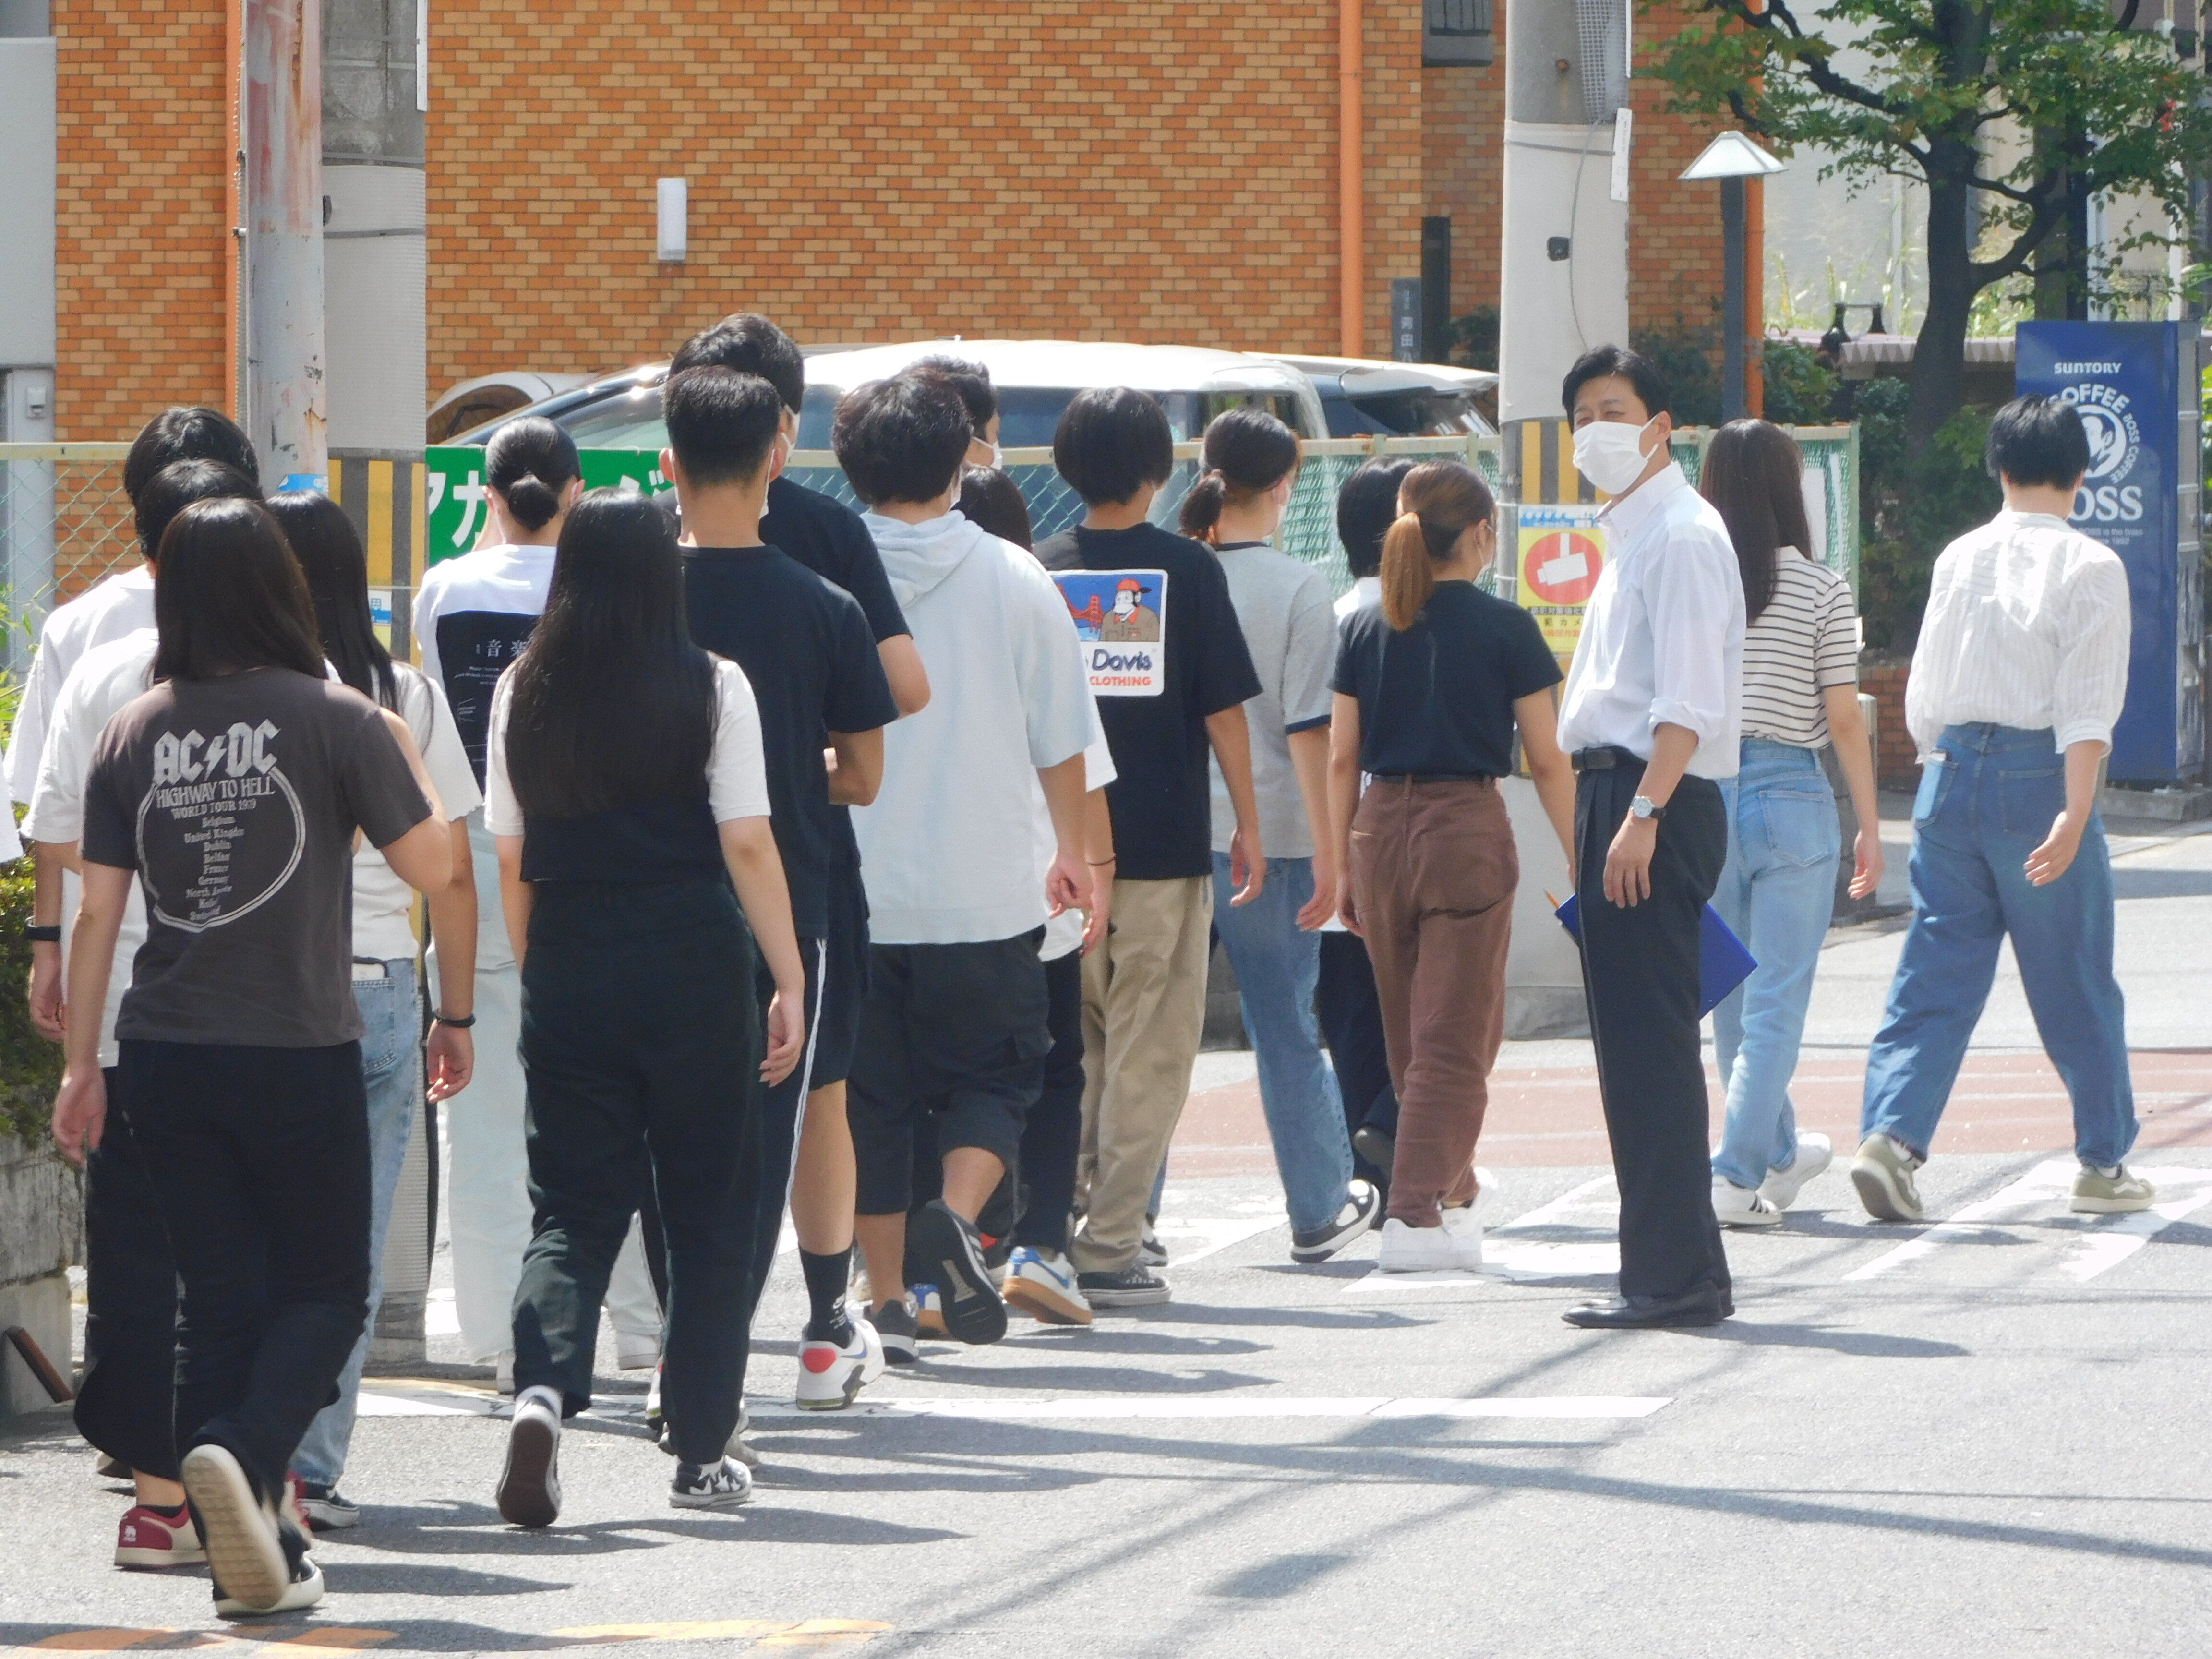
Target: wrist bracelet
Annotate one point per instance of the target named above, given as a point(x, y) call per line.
point(458, 1022)
point(39, 935)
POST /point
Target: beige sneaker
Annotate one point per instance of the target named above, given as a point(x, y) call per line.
point(2122, 1192)
point(1882, 1173)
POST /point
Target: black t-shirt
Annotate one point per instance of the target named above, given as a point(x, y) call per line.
point(1436, 700)
point(1158, 665)
point(805, 648)
point(827, 538)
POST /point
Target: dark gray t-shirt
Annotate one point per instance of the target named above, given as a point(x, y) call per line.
point(235, 799)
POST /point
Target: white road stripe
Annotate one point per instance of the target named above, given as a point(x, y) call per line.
point(1157, 1408)
point(2031, 1192)
point(2111, 1245)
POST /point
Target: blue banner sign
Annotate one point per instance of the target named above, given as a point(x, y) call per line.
point(2135, 386)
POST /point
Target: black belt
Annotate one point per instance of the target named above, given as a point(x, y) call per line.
point(1430, 777)
point(1605, 756)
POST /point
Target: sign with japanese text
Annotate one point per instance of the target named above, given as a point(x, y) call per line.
point(456, 511)
point(1559, 550)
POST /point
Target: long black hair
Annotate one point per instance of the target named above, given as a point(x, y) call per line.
point(1247, 453)
point(530, 462)
point(1754, 473)
point(612, 703)
point(336, 566)
point(228, 596)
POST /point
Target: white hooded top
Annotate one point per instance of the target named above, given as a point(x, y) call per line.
point(947, 849)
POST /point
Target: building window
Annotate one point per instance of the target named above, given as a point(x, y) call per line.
point(1456, 33)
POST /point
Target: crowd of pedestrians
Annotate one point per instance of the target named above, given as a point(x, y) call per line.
point(865, 868)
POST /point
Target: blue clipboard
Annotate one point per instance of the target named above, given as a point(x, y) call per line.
point(1723, 962)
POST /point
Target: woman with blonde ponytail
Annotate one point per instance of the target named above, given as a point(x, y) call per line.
point(1289, 622)
point(1430, 690)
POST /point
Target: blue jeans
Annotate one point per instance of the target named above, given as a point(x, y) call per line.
point(1277, 966)
point(1777, 892)
point(391, 1077)
point(1986, 801)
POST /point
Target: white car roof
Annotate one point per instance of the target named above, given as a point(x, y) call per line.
point(1055, 364)
point(1377, 375)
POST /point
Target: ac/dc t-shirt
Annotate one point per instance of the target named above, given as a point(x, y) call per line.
point(473, 615)
point(235, 799)
point(1162, 649)
point(806, 647)
point(1436, 700)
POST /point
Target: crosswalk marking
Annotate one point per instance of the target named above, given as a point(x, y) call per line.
point(1509, 1254)
point(1156, 1408)
point(2097, 1243)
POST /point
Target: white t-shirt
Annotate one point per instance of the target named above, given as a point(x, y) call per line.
point(736, 777)
point(105, 679)
point(473, 615)
point(121, 604)
point(383, 904)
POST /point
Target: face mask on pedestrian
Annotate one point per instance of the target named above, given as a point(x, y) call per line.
point(1609, 453)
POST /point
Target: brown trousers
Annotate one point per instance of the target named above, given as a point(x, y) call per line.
point(1433, 870)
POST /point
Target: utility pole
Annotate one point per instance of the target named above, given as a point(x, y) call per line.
point(284, 222)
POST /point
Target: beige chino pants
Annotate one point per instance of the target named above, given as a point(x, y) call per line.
point(1143, 1009)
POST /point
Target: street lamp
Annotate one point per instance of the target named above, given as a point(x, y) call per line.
point(1731, 158)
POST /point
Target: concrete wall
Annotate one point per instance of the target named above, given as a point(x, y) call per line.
point(41, 1234)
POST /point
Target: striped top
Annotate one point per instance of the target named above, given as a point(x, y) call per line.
point(1806, 640)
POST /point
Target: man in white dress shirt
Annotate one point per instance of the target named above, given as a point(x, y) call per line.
point(2021, 670)
point(1650, 715)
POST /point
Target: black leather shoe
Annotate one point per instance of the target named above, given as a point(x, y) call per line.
point(1702, 1306)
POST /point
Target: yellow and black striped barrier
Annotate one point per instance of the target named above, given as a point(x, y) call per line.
point(381, 491)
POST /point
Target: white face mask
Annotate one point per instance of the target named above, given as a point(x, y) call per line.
point(1609, 454)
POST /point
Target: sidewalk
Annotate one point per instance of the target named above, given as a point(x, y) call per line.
point(1544, 1109)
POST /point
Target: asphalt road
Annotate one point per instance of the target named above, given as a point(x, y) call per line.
point(1985, 1436)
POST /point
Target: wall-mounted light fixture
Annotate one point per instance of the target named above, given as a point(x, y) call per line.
point(672, 221)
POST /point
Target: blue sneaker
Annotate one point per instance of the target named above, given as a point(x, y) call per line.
point(1042, 1284)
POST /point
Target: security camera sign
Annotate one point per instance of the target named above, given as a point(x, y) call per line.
point(1120, 627)
point(1561, 552)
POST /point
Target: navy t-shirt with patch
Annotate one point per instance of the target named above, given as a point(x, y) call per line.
point(1161, 641)
point(807, 649)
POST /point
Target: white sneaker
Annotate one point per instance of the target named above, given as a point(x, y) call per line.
point(1742, 1206)
point(245, 1547)
point(304, 1590)
point(1456, 1249)
point(530, 1485)
point(635, 1353)
point(1781, 1186)
point(831, 1374)
point(504, 1369)
point(1042, 1284)
point(1478, 1214)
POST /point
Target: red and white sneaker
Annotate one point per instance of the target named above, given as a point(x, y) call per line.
point(296, 1499)
point(831, 1375)
point(153, 1538)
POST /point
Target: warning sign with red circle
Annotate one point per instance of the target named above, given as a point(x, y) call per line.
point(1560, 567)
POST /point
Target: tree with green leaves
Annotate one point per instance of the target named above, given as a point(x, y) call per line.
point(2014, 114)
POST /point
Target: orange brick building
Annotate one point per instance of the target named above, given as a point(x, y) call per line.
point(1103, 168)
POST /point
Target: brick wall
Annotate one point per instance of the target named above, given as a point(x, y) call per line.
point(1897, 764)
point(1096, 168)
point(1674, 229)
point(1464, 170)
point(141, 237)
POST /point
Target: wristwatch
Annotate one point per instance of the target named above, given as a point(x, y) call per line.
point(1644, 807)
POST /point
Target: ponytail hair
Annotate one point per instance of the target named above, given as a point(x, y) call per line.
point(1247, 453)
point(530, 462)
point(1438, 503)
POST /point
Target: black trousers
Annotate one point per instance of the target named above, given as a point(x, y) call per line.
point(1640, 976)
point(258, 1159)
point(641, 1053)
point(1052, 1138)
point(125, 1405)
point(1351, 1017)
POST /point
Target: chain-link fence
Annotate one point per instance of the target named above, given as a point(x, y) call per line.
point(64, 523)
